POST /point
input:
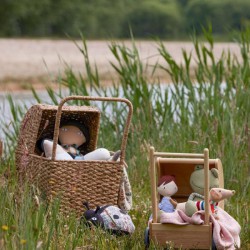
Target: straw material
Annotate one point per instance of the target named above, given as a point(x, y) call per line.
point(39, 123)
point(74, 182)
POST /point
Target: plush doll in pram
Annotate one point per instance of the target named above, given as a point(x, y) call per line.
point(166, 188)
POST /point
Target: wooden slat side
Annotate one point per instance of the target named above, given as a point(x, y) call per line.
point(187, 155)
point(187, 236)
point(153, 184)
point(206, 185)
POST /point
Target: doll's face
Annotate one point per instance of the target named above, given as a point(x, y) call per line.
point(69, 135)
point(168, 189)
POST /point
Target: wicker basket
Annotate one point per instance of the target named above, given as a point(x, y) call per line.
point(97, 182)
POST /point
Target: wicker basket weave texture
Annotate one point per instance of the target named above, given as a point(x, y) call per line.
point(74, 182)
point(29, 130)
point(33, 127)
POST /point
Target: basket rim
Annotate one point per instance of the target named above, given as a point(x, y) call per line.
point(94, 98)
point(75, 161)
point(67, 107)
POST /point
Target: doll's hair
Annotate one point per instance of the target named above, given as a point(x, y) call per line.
point(165, 179)
point(79, 125)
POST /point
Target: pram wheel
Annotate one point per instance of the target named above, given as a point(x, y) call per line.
point(213, 245)
point(146, 238)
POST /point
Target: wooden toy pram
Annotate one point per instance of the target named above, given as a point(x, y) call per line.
point(74, 182)
point(181, 165)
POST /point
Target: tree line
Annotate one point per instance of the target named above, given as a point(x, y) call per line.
point(102, 19)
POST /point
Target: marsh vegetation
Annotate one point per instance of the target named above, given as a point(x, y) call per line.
point(209, 108)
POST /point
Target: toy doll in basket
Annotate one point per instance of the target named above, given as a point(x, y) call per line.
point(72, 135)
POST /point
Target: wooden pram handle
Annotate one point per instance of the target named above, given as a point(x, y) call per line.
point(92, 98)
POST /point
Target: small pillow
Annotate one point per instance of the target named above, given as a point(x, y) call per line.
point(61, 154)
point(100, 154)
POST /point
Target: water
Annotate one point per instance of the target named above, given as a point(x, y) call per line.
point(24, 100)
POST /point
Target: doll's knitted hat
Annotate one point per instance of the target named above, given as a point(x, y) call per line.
point(79, 125)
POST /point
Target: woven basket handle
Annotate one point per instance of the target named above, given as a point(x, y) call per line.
point(91, 98)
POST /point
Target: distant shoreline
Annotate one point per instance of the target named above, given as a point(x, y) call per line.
point(39, 62)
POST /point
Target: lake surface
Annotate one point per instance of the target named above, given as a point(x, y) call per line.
point(22, 99)
point(26, 99)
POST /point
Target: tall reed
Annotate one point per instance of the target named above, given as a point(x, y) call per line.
point(207, 105)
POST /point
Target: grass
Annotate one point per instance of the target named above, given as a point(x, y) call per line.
point(182, 117)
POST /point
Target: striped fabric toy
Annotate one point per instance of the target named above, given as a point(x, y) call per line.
point(213, 205)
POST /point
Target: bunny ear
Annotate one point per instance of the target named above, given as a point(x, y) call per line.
point(86, 204)
point(97, 209)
